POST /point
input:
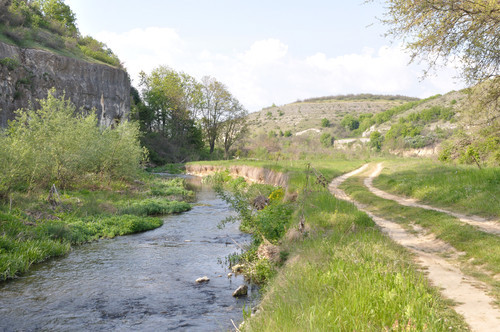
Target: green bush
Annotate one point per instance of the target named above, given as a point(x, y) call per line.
point(350, 122)
point(376, 140)
point(273, 221)
point(325, 122)
point(53, 146)
point(327, 140)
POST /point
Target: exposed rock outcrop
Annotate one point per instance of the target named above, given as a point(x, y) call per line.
point(241, 291)
point(253, 174)
point(27, 74)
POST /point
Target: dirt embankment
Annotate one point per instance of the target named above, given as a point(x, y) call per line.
point(249, 173)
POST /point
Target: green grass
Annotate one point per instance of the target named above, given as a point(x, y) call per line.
point(348, 276)
point(464, 189)
point(152, 207)
point(481, 249)
point(343, 274)
point(31, 230)
point(294, 168)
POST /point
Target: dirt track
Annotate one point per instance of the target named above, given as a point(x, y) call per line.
point(485, 225)
point(472, 300)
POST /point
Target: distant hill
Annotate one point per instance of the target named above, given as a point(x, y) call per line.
point(306, 115)
point(403, 123)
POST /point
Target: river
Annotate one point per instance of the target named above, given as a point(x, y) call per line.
point(143, 282)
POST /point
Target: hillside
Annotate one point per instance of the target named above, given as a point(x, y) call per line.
point(398, 123)
point(303, 116)
point(50, 26)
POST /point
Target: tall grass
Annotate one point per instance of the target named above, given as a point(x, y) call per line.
point(348, 276)
point(341, 273)
point(462, 188)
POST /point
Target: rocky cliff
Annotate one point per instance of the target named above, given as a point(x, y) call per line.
point(27, 74)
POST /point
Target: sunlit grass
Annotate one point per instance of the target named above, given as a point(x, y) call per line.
point(348, 276)
point(465, 189)
point(343, 274)
point(479, 248)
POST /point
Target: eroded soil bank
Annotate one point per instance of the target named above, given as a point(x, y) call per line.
point(252, 174)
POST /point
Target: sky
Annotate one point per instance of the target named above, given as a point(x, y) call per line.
point(265, 52)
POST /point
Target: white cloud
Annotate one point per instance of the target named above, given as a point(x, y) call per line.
point(145, 49)
point(264, 52)
point(267, 73)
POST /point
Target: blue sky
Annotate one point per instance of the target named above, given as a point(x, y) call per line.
point(265, 51)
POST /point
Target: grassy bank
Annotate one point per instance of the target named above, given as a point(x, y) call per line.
point(481, 250)
point(32, 229)
point(339, 273)
point(465, 189)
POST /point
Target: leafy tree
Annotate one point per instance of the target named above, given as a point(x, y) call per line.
point(437, 30)
point(376, 140)
point(465, 30)
point(52, 145)
point(234, 127)
point(171, 101)
point(58, 11)
point(327, 140)
point(325, 122)
point(215, 106)
point(350, 122)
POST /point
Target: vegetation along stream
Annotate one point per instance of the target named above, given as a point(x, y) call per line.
point(139, 282)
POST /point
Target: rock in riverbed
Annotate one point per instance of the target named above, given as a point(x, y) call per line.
point(202, 280)
point(241, 291)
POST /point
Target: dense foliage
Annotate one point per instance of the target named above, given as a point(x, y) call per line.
point(53, 145)
point(180, 115)
point(49, 24)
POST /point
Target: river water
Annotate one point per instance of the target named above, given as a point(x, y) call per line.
point(143, 282)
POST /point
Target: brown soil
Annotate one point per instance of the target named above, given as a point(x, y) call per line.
point(469, 294)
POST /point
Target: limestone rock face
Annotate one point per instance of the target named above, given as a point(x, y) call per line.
point(33, 72)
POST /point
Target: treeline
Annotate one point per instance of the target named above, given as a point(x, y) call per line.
point(58, 145)
point(361, 96)
point(184, 119)
point(49, 24)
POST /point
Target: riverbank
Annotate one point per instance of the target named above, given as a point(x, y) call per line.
point(38, 225)
point(336, 270)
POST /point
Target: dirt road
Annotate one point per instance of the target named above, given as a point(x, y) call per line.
point(472, 300)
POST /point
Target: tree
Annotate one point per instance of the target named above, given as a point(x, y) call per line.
point(58, 11)
point(350, 122)
point(325, 122)
point(465, 30)
point(327, 140)
point(214, 108)
point(171, 102)
point(376, 140)
point(234, 127)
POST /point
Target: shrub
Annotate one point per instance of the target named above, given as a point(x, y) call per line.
point(287, 133)
point(10, 63)
point(376, 140)
point(53, 145)
point(350, 122)
point(326, 140)
point(325, 123)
